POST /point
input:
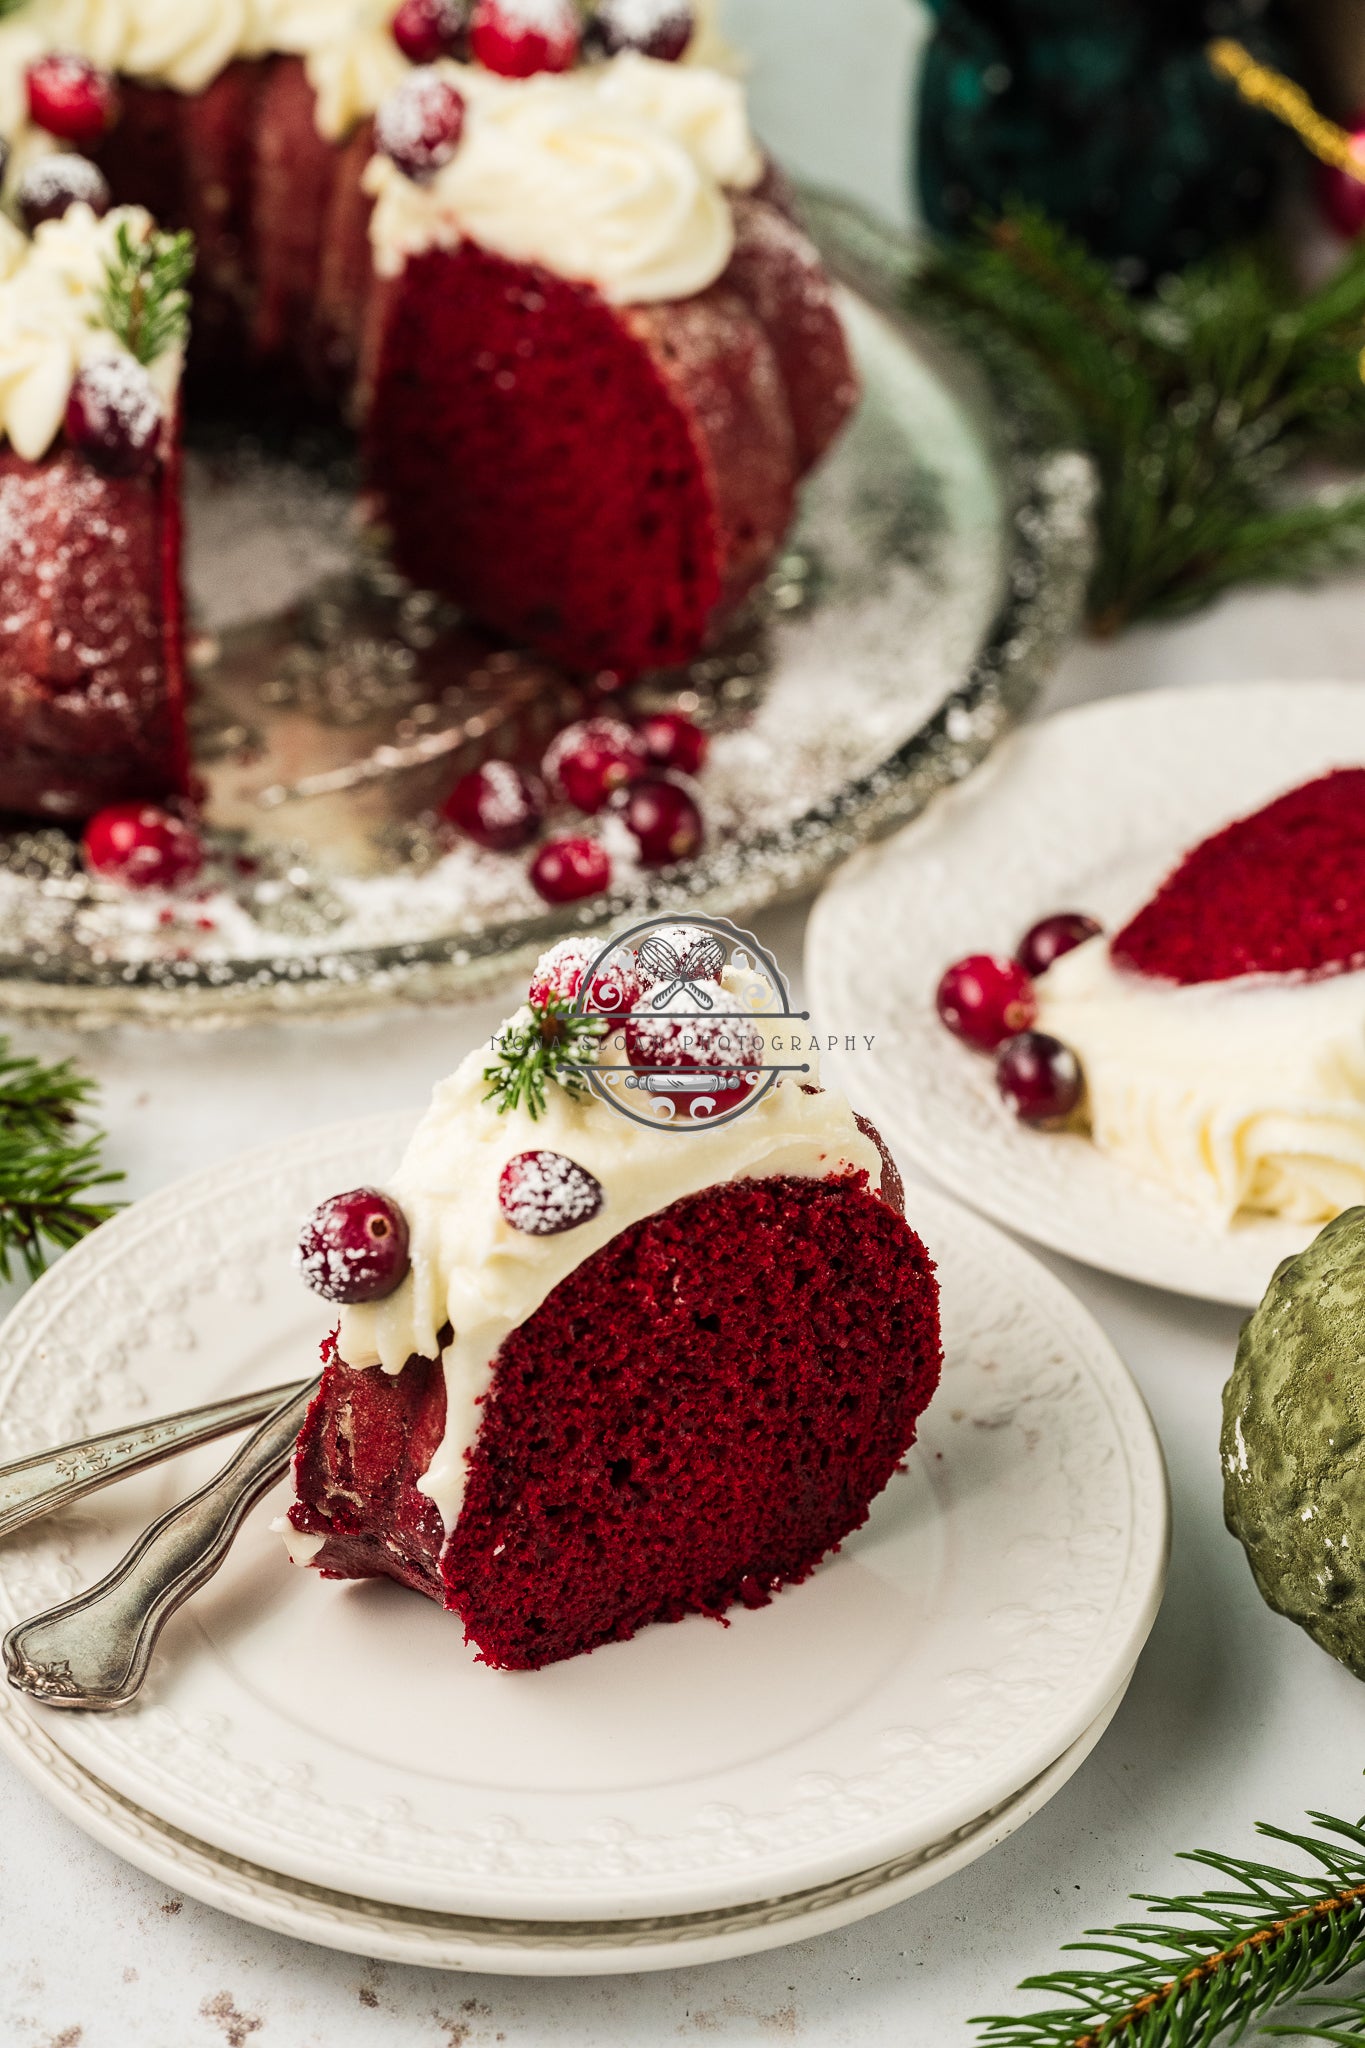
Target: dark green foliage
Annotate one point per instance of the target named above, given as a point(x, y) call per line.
point(1200, 405)
point(1224, 1965)
point(50, 1168)
point(554, 1043)
point(145, 302)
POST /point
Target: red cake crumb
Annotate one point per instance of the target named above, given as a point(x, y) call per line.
point(1279, 892)
point(696, 1416)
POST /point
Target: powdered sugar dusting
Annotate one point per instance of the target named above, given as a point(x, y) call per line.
point(543, 1194)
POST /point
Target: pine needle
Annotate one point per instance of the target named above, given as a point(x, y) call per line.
point(1209, 1967)
point(554, 1044)
point(51, 1170)
point(1199, 405)
point(145, 300)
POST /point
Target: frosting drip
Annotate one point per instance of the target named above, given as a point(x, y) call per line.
point(50, 290)
point(471, 1269)
point(614, 175)
point(1234, 1096)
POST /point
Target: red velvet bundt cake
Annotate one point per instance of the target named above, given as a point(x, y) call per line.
point(598, 1373)
point(546, 275)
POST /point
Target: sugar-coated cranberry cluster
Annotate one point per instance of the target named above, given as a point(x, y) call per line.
point(991, 1004)
point(632, 773)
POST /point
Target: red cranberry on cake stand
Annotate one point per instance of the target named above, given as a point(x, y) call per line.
point(568, 870)
point(518, 38)
point(673, 740)
point(591, 759)
point(142, 847)
point(497, 806)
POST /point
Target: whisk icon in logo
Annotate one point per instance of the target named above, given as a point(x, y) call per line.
point(691, 1009)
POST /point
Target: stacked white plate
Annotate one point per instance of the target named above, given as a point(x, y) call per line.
point(331, 1762)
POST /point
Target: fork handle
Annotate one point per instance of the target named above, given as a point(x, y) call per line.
point(93, 1652)
point(37, 1486)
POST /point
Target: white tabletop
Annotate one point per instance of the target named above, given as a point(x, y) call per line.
point(1233, 1716)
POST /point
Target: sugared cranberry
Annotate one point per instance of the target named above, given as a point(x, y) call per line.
point(520, 37)
point(427, 29)
point(71, 98)
point(567, 870)
point(545, 1193)
point(674, 741)
point(1342, 197)
point(674, 953)
point(497, 806)
point(1047, 940)
point(985, 1000)
point(663, 819)
point(141, 846)
point(1039, 1077)
point(113, 416)
point(657, 28)
point(591, 758)
point(51, 184)
point(420, 124)
point(615, 987)
point(705, 1063)
point(354, 1247)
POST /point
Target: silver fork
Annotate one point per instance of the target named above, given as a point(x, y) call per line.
point(93, 1652)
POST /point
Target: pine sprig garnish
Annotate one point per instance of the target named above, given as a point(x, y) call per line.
point(1210, 1967)
point(1199, 404)
point(555, 1044)
point(51, 1171)
point(145, 301)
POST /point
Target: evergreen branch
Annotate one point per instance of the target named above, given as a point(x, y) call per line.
point(1196, 403)
point(145, 301)
point(555, 1044)
point(40, 1102)
point(1206, 1968)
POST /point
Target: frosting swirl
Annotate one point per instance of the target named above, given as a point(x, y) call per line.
point(50, 327)
point(613, 175)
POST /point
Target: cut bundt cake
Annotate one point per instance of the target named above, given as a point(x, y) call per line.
point(545, 272)
point(615, 1373)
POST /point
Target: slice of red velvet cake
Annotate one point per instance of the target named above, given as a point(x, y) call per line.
point(616, 1375)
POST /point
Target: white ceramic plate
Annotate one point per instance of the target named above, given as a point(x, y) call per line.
point(1085, 811)
point(343, 1736)
point(507, 1948)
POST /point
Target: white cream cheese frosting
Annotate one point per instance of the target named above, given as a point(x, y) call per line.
point(470, 1269)
point(50, 319)
point(615, 175)
point(347, 46)
point(1234, 1096)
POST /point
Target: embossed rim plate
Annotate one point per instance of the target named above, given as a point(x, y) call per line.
point(506, 1948)
point(343, 1736)
point(1029, 558)
point(1085, 810)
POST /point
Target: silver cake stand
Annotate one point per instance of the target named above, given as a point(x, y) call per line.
point(938, 565)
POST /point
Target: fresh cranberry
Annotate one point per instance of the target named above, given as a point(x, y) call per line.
point(496, 806)
point(674, 741)
point(985, 1000)
point(566, 870)
point(590, 759)
point(1342, 197)
point(141, 846)
point(1047, 940)
point(1039, 1077)
point(520, 37)
point(657, 28)
point(51, 184)
point(71, 98)
point(354, 1247)
point(663, 819)
point(545, 1194)
point(113, 416)
point(615, 988)
point(726, 1050)
point(427, 29)
point(420, 124)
